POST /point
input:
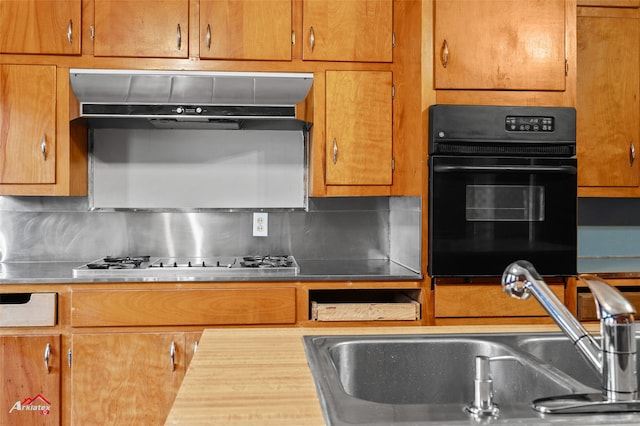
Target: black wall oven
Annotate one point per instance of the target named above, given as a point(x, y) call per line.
point(502, 187)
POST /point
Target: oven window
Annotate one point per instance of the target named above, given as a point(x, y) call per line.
point(510, 203)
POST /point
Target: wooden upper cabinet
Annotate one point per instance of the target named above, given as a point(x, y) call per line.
point(353, 30)
point(500, 44)
point(40, 27)
point(359, 135)
point(27, 124)
point(608, 99)
point(245, 29)
point(142, 28)
point(30, 369)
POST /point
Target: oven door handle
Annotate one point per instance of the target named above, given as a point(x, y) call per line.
point(505, 169)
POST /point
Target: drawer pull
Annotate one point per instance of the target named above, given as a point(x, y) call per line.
point(47, 355)
point(172, 355)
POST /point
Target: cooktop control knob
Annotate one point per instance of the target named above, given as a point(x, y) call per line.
point(179, 110)
point(198, 110)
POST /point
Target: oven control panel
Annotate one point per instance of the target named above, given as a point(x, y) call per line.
point(529, 124)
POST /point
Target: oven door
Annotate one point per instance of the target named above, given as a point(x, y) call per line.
point(486, 212)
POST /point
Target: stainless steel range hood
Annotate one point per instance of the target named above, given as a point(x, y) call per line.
point(191, 99)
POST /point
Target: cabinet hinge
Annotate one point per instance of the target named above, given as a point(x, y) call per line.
point(69, 357)
point(393, 39)
point(566, 67)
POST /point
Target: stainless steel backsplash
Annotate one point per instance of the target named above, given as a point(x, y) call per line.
point(39, 229)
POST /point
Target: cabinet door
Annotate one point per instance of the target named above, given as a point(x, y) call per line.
point(27, 124)
point(43, 27)
point(30, 380)
point(245, 29)
point(607, 101)
point(125, 378)
point(354, 30)
point(500, 44)
point(359, 136)
point(142, 28)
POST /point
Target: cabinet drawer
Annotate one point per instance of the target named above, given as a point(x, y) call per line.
point(28, 309)
point(95, 308)
point(460, 301)
point(587, 305)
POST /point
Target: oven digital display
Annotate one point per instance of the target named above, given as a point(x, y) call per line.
point(529, 124)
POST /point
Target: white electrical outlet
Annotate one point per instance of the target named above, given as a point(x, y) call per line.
point(260, 224)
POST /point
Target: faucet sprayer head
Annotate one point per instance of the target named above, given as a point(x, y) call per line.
point(517, 279)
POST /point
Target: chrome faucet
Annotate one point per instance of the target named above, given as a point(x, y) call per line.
point(614, 358)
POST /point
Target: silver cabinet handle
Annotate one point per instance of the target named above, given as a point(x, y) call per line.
point(312, 38)
point(70, 32)
point(172, 355)
point(47, 355)
point(43, 147)
point(195, 347)
point(208, 37)
point(178, 37)
point(444, 54)
point(335, 151)
point(632, 153)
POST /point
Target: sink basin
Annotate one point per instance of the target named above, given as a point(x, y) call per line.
point(429, 379)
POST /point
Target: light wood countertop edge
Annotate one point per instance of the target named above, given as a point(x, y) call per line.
point(260, 376)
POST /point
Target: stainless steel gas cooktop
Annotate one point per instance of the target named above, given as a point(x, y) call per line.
point(147, 266)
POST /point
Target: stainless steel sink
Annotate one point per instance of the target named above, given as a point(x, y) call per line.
point(429, 379)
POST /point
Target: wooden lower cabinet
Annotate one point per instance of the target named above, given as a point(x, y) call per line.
point(486, 303)
point(127, 378)
point(30, 380)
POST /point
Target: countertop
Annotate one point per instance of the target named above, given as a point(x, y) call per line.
point(310, 270)
point(260, 376)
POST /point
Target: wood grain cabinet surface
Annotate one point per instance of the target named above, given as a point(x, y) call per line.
point(142, 28)
point(608, 101)
point(502, 45)
point(357, 31)
point(359, 137)
point(30, 378)
point(246, 29)
point(42, 151)
point(126, 378)
point(28, 124)
point(40, 27)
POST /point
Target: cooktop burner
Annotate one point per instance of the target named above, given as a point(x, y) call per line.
point(146, 266)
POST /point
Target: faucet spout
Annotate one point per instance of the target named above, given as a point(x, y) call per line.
point(521, 280)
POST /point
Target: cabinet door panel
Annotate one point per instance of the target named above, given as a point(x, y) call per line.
point(245, 29)
point(608, 119)
point(354, 30)
point(27, 124)
point(142, 28)
point(125, 378)
point(41, 27)
point(28, 382)
point(500, 44)
point(358, 128)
